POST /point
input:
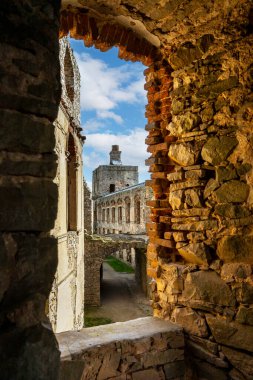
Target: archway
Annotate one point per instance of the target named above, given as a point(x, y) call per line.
point(221, 100)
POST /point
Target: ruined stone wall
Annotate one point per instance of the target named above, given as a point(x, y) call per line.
point(200, 140)
point(124, 211)
point(199, 114)
point(154, 352)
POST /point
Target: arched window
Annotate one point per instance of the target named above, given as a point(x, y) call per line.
point(72, 184)
point(119, 203)
point(99, 213)
point(137, 210)
point(127, 209)
point(69, 76)
point(113, 215)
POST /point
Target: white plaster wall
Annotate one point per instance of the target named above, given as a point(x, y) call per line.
point(70, 271)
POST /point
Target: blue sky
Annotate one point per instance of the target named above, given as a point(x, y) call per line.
point(112, 108)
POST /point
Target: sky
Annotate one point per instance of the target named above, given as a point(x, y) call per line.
point(113, 103)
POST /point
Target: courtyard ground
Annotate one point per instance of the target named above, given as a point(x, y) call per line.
point(120, 298)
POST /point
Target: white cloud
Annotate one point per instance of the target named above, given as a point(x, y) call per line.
point(93, 125)
point(132, 146)
point(103, 87)
point(110, 115)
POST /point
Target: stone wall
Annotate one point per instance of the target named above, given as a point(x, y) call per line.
point(29, 100)
point(155, 351)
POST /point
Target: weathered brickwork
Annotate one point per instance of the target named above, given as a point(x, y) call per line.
point(200, 250)
point(154, 352)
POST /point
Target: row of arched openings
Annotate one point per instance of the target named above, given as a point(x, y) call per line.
point(111, 212)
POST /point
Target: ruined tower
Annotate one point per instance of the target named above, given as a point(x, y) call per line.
point(115, 155)
point(113, 177)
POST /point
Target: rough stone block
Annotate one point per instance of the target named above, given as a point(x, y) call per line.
point(151, 359)
point(207, 286)
point(191, 322)
point(235, 249)
point(195, 253)
point(245, 315)
point(109, 366)
point(231, 334)
point(217, 149)
point(183, 154)
point(225, 173)
point(245, 294)
point(240, 360)
point(151, 373)
point(193, 349)
point(175, 199)
point(174, 370)
point(232, 191)
point(236, 271)
point(208, 371)
point(193, 198)
point(231, 211)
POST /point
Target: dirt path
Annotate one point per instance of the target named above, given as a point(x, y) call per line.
point(120, 298)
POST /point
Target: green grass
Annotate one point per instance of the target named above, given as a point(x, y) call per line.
point(96, 321)
point(118, 265)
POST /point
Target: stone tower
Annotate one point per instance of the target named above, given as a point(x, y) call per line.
point(113, 177)
point(115, 155)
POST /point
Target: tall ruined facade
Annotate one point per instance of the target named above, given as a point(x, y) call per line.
point(66, 300)
point(199, 86)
